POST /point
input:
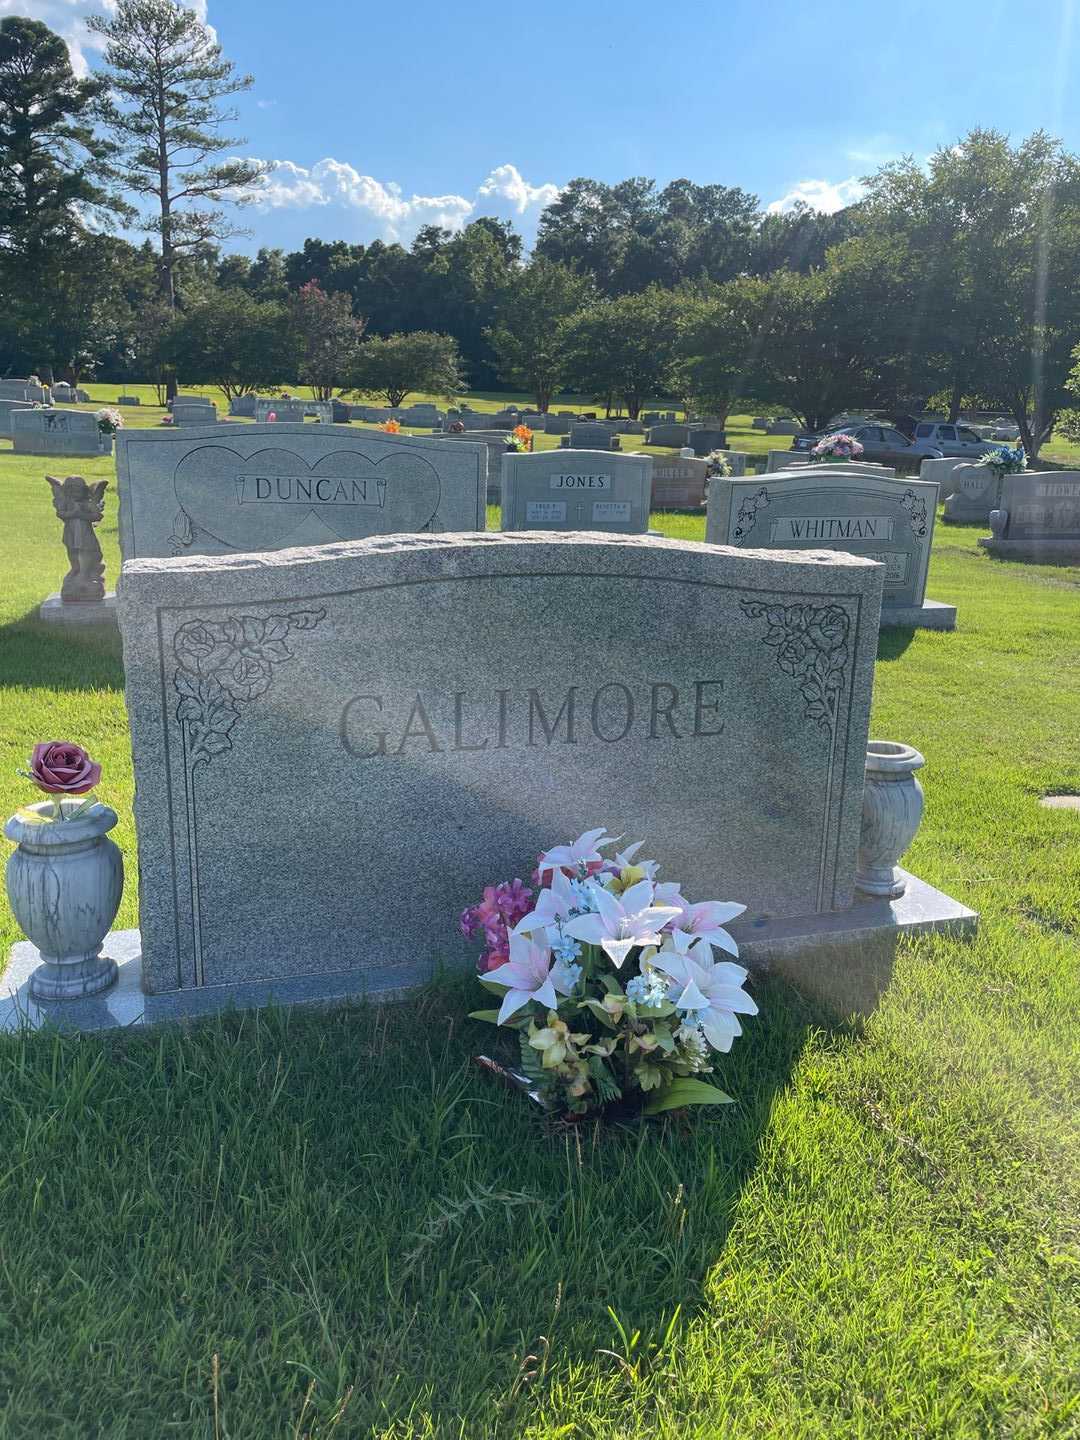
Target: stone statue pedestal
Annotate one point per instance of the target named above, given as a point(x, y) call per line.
point(80, 613)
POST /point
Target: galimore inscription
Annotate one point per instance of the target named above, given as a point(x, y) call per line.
point(377, 726)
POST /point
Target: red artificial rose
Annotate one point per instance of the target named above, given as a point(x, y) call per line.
point(60, 768)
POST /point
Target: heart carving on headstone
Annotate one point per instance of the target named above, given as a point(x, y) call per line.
point(260, 501)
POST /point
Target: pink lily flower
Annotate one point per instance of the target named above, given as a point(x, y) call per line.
point(529, 975)
point(583, 851)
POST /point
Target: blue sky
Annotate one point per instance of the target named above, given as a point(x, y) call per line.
point(379, 119)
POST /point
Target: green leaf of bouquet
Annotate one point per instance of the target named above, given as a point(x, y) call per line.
point(610, 984)
point(685, 1092)
point(600, 1013)
point(491, 1016)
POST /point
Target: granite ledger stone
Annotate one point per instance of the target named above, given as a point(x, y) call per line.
point(265, 487)
point(862, 512)
point(330, 761)
point(576, 490)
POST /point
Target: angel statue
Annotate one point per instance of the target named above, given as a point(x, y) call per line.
point(81, 506)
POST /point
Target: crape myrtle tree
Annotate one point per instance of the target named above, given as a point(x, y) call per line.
point(164, 80)
point(328, 335)
point(622, 348)
point(394, 365)
point(528, 336)
point(234, 342)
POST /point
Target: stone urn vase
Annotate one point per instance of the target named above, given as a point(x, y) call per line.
point(892, 809)
point(65, 881)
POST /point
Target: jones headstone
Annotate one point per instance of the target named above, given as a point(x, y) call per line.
point(264, 487)
point(824, 507)
point(337, 748)
point(976, 490)
point(576, 490)
point(58, 432)
point(1038, 518)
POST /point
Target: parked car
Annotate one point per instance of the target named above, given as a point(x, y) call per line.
point(882, 445)
point(952, 441)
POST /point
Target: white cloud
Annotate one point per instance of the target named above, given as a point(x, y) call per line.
point(68, 18)
point(381, 209)
point(824, 195)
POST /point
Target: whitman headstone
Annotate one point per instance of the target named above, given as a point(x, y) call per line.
point(822, 506)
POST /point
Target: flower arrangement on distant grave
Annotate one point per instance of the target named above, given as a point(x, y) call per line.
point(719, 465)
point(611, 982)
point(166, 420)
point(520, 439)
point(836, 447)
point(1006, 460)
point(109, 421)
point(391, 427)
point(62, 769)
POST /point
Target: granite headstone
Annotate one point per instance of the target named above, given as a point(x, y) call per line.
point(265, 487)
point(1038, 517)
point(825, 507)
point(976, 490)
point(576, 490)
point(331, 759)
point(679, 484)
point(58, 432)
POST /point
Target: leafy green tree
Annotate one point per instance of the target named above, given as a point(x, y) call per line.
point(528, 335)
point(993, 233)
point(234, 342)
point(624, 347)
point(328, 334)
point(165, 77)
point(52, 163)
point(395, 365)
point(716, 352)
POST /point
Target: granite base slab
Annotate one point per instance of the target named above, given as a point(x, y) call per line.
point(930, 615)
point(89, 612)
point(1054, 552)
point(805, 950)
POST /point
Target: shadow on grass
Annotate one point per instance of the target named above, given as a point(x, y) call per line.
point(893, 642)
point(36, 655)
point(349, 1188)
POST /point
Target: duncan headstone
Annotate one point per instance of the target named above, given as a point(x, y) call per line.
point(265, 487)
point(325, 743)
point(576, 490)
point(877, 517)
point(1038, 517)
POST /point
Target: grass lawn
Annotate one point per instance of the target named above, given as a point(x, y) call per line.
point(878, 1240)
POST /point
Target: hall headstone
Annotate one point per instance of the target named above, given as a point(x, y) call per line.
point(826, 507)
point(266, 487)
point(976, 491)
point(576, 490)
point(942, 472)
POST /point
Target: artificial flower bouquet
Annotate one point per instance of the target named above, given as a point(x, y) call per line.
point(61, 768)
point(1006, 460)
point(109, 421)
point(520, 439)
point(611, 980)
point(837, 447)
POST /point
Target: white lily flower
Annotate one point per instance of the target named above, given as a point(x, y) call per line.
point(706, 920)
point(668, 892)
point(530, 975)
point(583, 851)
point(552, 906)
point(708, 992)
point(620, 922)
point(625, 858)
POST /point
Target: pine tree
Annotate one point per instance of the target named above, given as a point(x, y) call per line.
point(165, 77)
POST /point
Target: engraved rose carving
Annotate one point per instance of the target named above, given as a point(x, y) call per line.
point(224, 664)
point(811, 646)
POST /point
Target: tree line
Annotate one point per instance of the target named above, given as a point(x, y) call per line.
point(946, 284)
